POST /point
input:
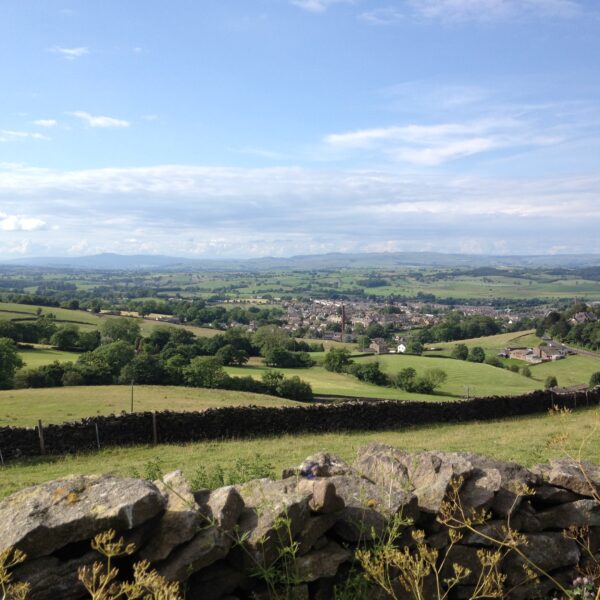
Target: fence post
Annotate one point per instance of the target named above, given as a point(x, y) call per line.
point(97, 435)
point(154, 429)
point(1, 458)
point(41, 436)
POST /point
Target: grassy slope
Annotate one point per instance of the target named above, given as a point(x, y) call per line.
point(482, 380)
point(524, 440)
point(44, 356)
point(55, 405)
point(570, 371)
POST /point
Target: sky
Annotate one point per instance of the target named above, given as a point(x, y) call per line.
point(246, 128)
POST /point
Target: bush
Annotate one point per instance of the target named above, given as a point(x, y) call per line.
point(494, 361)
point(286, 359)
point(405, 379)
point(337, 360)
point(526, 371)
point(550, 382)
point(205, 371)
point(460, 352)
point(595, 379)
point(369, 372)
point(294, 388)
point(476, 354)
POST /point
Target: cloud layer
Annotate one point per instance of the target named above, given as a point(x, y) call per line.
point(208, 211)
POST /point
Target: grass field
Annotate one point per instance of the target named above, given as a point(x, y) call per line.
point(524, 440)
point(56, 405)
point(43, 355)
point(572, 370)
point(491, 344)
point(480, 379)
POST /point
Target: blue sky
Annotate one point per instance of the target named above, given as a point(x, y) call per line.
point(237, 128)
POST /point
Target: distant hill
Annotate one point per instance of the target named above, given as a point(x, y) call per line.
point(338, 260)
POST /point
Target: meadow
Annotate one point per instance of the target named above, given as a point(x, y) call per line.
point(23, 408)
point(526, 440)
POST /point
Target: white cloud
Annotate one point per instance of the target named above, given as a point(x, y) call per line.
point(488, 10)
point(431, 145)
point(45, 122)
point(7, 135)
point(318, 5)
point(99, 121)
point(289, 210)
point(20, 223)
point(383, 16)
point(71, 53)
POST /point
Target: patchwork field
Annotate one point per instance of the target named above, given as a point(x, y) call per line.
point(43, 355)
point(56, 405)
point(525, 440)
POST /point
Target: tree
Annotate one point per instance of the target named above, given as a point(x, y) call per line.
point(460, 352)
point(414, 346)
point(10, 361)
point(205, 371)
point(66, 337)
point(114, 356)
point(268, 337)
point(122, 329)
point(89, 340)
point(145, 369)
point(526, 371)
point(476, 354)
point(375, 330)
point(272, 380)
point(282, 358)
point(430, 381)
point(229, 355)
point(551, 382)
point(369, 372)
point(595, 379)
point(405, 379)
point(494, 361)
point(363, 341)
point(337, 359)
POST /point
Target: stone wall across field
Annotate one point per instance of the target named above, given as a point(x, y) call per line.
point(297, 537)
point(253, 421)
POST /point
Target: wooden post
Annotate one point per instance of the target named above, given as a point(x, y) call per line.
point(154, 429)
point(97, 435)
point(1, 458)
point(41, 435)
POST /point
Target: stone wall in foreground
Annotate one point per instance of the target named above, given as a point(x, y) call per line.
point(253, 421)
point(212, 541)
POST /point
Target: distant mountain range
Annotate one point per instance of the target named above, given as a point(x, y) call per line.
point(109, 261)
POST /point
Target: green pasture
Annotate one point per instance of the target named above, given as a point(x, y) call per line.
point(491, 344)
point(44, 355)
point(569, 371)
point(57, 405)
point(525, 440)
point(463, 377)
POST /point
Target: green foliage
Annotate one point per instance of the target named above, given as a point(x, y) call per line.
point(405, 379)
point(494, 361)
point(526, 371)
point(476, 354)
point(414, 346)
point(121, 329)
point(9, 363)
point(285, 359)
point(550, 382)
point(243, 469)
point(230, 355)
point(595, 379)
point(460, 352)
point(363, 341)
point(369, 372)
point(337, 360)
point(205, 371)
point(66, 337)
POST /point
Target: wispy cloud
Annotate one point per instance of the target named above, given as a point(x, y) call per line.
point(99, 121)
point(7, 135)
point(318, 6)
point(488, 10)
point(70, 53)
point(432, 145)
point(45, 122)
point(387, 15)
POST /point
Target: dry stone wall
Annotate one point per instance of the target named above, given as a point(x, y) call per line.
point(253, 421)
point(215, 542)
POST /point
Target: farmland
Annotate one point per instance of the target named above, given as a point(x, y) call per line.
point(525, 440)
point(57, 405)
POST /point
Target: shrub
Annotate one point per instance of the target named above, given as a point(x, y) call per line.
point(369, 372)
point(337, 360)
point(494, 361)
point(476, 354)
point(460, 352)
point(526, 371)
point(595, 379)
point(550, 382)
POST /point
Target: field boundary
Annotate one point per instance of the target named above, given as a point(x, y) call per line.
point(253, 421)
